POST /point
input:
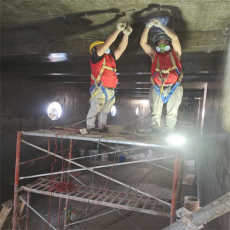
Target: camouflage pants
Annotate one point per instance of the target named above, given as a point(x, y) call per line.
point(100, 106)
point(172, 106)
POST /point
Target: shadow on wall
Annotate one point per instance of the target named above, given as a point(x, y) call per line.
point(47, 34)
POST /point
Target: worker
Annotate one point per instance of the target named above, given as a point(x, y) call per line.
point(166, 74)
point(103, 77)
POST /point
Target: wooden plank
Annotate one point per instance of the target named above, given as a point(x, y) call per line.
point(204, 215)
point(6, 208)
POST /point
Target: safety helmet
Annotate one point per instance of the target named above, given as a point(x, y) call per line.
point(95, 43)
point(160, 36)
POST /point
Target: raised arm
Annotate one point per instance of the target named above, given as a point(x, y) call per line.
point(175, 40)
point(124, 42)
point(144, 41)
point(109, 41)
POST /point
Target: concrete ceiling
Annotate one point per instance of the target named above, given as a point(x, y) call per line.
point(41, 26)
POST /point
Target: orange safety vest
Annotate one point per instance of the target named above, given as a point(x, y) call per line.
point(104, 72)
point(166, 68)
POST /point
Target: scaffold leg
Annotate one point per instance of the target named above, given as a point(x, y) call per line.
point(16, 180)
point(27, 211)
point(175, 186)
point(67, 200)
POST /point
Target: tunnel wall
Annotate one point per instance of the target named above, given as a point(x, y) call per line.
point(213, 158)
point(23, 107)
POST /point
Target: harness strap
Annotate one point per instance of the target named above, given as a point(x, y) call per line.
point(172, 60)
point(165, 99)
point(167, 71)
point(94, 90)
point(98, 79)
point(110, 68)
point(104, 66)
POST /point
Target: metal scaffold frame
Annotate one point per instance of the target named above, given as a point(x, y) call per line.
point(135, 200)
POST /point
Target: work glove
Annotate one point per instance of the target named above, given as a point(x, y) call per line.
point(154, 22)
point(121, 26)
point(128, 30)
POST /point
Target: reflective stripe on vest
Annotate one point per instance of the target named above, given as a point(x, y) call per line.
point(103, 67)
point(165, 99)
point(166, 71)
point(97, 81)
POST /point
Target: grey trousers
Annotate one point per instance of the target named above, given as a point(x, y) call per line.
point(172, 106)
point(100, 107)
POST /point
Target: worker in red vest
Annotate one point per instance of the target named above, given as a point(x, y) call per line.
point(103, 76)
point(166, 74)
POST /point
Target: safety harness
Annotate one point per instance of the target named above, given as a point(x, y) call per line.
point(159, 90)
point(94, 89)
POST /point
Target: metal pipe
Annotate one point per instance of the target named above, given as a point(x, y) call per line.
point(69, 165)
point(76, 179)
point(36, 159)
point(105, 145)
point(91, 218)
point(16, 180)
point(92, 138)
point(163, 167)
point(27, 211)
point(37, 213)
point(33, 160)
point(98, 173)
point(50, 201)
point(107, 153)
point(62, 178)
point(97, 167)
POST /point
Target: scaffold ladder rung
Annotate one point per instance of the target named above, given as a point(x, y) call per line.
point(97, 196)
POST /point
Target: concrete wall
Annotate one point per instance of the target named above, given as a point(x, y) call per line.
point(213, 159)
point(1, 136)
point(23, 107)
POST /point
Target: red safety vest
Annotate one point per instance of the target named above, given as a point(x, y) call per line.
point(104, 71)
point(165, 68)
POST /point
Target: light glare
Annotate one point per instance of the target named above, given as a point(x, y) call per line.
point(57, 57)
point(54, 111)
point(176, 140)
point(113, 111)
point(137, 111)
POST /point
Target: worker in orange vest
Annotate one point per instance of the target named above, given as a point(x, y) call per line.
point(166, 74)
point(103, 76)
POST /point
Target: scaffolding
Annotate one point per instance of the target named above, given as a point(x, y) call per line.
point(66, 186)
